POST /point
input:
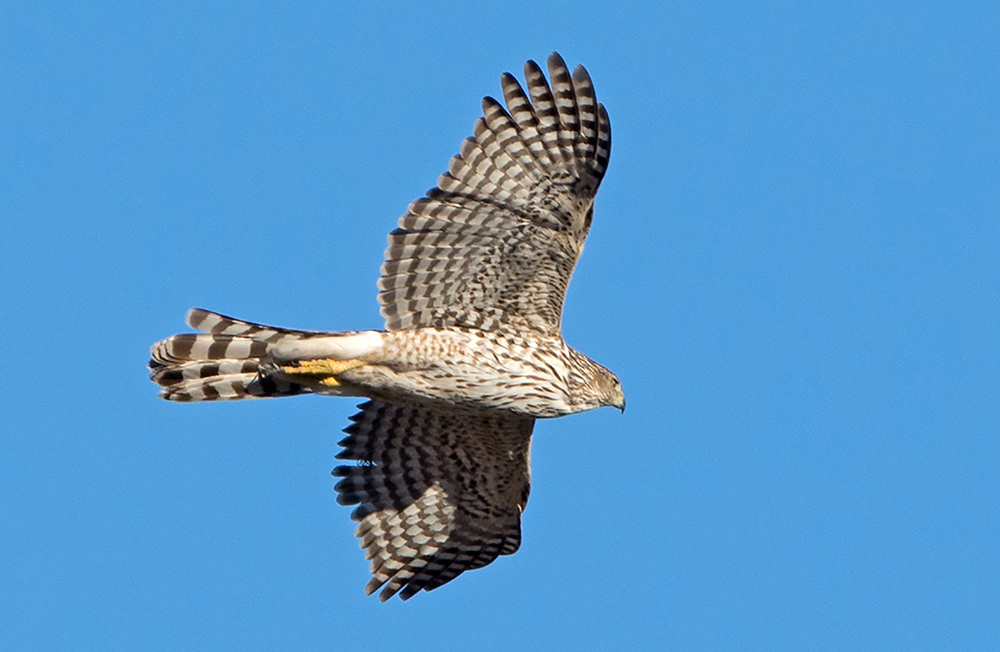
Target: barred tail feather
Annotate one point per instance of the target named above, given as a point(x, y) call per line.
point(216, 324)
point(215, 368)
point(229, 362)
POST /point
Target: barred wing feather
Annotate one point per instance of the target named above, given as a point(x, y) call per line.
point(493, 246)
point(438, 493)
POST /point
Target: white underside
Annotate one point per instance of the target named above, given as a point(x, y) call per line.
point(349, 346)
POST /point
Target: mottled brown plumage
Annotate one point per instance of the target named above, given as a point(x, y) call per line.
point(472, 290)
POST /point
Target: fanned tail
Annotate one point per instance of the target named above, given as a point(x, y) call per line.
point(228, 362)
point(231, 360)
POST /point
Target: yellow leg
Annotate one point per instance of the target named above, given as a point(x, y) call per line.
point(323, 371)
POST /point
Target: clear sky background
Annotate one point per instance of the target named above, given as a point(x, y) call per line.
point(793, 268)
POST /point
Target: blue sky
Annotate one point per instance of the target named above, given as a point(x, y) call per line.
point(793, 268)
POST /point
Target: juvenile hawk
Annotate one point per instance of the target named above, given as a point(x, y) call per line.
point(472, 290)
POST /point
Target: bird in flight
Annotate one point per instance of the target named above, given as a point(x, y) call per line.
point(472, 291)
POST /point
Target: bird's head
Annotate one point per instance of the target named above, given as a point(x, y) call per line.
point(610, 389)
point(616, 397)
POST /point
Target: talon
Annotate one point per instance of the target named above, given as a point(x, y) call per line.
point(323, 371)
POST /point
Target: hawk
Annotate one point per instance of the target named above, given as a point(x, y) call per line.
point(472, 291)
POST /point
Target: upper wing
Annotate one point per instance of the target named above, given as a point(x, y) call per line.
point(438, 493)
point(495, 243)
